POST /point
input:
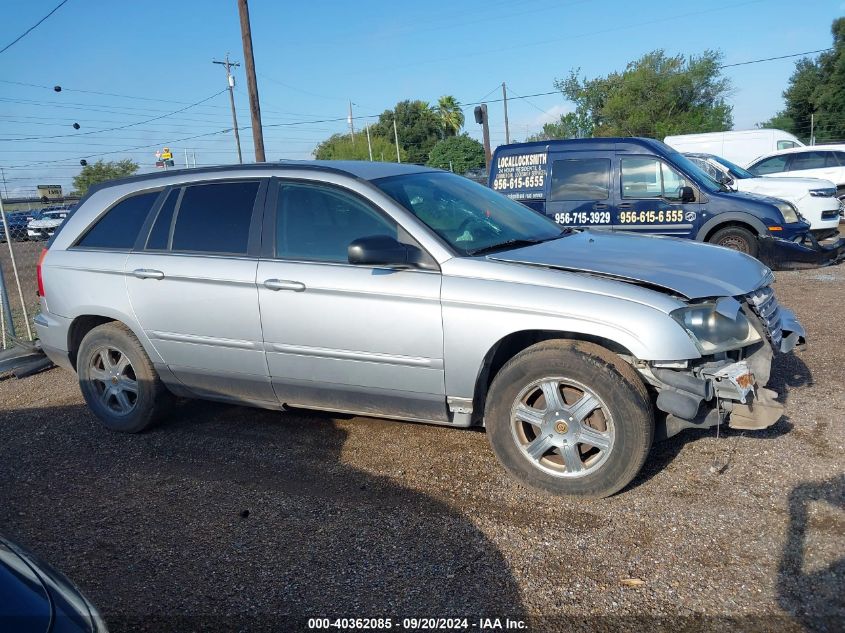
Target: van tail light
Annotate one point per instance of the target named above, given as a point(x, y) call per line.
point(39, 273)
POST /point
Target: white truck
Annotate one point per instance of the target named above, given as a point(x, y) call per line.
point(740, 146)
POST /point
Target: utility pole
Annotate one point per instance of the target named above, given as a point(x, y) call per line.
point(194, 158)
point(230, 83)
point(481, 118)
point(505, 101)
point(351, 124)
point(5, 190)
point(251, 83)
point(812, 128)
point(369, 144)
point(396, 138)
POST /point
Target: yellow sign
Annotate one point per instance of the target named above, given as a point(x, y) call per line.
point(166, 154)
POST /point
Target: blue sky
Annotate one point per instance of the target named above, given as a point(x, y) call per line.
point(312, 57)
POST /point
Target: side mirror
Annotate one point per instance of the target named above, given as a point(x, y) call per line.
point(686, 194)
point(382, 250)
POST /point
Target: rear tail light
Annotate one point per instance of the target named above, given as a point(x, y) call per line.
point(39, 273)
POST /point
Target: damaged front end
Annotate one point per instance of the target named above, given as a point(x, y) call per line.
point(738, 339)
point(804, 251)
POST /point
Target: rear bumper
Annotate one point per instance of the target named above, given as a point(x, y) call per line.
point(804, 251)
point(52, 333)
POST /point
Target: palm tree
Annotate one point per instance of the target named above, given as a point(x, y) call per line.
point(450, 114)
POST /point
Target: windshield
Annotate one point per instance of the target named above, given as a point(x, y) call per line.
point(703, 179)
point(470, 217)
point(735, 170)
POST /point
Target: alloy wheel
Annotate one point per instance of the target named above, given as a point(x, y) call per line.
point(562, 427)
point(114, 380)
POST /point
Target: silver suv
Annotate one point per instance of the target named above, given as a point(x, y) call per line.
point(409, 293)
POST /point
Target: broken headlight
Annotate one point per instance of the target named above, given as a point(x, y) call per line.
point(788, 211)
point(713, 331)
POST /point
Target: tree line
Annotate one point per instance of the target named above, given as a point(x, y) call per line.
point(815, 95)
point(425, 134)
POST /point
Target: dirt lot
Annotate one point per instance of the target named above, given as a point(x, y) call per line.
point(229, 518)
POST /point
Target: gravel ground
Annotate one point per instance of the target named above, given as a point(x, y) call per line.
point(229, 518)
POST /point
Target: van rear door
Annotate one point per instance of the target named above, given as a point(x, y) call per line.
point(581, 189)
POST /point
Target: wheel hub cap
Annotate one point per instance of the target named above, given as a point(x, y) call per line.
point(114, 380)
point(562, 427)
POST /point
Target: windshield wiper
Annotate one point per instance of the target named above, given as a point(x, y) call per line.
point(507, 245)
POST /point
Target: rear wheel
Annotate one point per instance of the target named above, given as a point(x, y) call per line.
point(570, 418)
point(118, 381)
point(736, 238)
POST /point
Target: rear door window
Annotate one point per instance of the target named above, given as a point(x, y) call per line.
point(581, 179)
point(215, 218)
point(809, 160)
point(118, 228)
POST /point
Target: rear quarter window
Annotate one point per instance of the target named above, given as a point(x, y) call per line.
point(119, 227)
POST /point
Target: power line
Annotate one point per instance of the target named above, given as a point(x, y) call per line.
point(120, 127)
point(32, 28)
point(771, 59)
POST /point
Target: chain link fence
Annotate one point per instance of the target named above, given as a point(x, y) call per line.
point(22, 236)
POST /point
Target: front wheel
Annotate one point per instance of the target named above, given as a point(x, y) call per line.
point(736, 238)
point(570, 418)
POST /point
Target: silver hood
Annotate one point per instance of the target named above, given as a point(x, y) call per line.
point(691, 269)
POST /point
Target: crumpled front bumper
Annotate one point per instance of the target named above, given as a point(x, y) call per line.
point(716, 391)
point(802, 252)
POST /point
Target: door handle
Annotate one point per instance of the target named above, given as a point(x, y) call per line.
point(599, 206)
point(625, 205)
point(148, 273)
point(284, 284)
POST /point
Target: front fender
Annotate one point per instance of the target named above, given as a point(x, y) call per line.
point(731, 216)
point(479, 313)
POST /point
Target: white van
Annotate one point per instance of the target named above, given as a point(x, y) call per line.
point(740, 147)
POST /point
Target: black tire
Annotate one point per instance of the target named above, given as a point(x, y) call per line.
point(99, 366)
point(736, 238)
point(613, 383)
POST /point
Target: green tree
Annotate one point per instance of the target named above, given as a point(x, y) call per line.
point(341, 147)
point(450, 114)
point(458, 153)
point(569, 125)
point(100, 171)
point(816, 93)
point(655, 96)
point(418, 126)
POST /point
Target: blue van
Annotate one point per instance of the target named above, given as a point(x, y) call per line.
point(645, 186)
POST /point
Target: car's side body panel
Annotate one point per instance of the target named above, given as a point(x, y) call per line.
point(352, 331)
point(480, 311)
